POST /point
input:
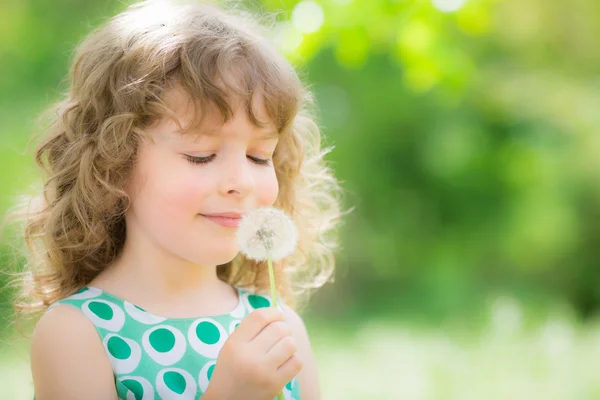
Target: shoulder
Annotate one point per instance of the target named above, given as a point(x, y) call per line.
point(308, 379)
point(68, 359)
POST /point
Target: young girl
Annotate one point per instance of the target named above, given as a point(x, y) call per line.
point(179, 119)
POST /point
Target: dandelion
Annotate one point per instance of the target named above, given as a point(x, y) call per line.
point(267, 233)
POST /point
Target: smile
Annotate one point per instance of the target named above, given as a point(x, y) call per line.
point(224, 221)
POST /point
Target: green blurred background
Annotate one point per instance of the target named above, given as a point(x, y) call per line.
point(466, 136)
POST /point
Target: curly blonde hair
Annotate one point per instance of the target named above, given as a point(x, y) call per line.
point(118, 80)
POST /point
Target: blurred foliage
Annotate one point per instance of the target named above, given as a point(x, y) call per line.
point(466, 139)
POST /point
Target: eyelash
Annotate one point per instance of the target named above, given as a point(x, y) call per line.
point(206, 160)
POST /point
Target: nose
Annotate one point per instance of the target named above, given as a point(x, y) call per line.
point(237, 178)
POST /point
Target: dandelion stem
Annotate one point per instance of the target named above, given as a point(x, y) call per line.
point(272, 283)
point(273, 300)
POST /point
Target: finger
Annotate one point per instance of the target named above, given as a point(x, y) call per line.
point(281, 351)
point(289, 369)
point(256, 321)
point(271, 335)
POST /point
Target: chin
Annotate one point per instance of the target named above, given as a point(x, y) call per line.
point(217, 258)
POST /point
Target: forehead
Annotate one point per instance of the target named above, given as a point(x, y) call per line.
point(189, 121)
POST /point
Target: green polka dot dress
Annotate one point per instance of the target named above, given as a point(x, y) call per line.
point(161, 358)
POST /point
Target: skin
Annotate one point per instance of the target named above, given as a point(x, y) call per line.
point(169, 261)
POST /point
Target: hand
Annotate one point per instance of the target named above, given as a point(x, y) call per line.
point(257, 360)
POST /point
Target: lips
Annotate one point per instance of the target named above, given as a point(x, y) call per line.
point(235, 215)
point(230, 219)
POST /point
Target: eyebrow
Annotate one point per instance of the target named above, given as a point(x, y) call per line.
point(269, 135)
point(216, 133)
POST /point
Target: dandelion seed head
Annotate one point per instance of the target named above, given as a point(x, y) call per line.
point(267, 232)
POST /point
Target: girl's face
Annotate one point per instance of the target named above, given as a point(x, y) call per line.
point(178, 178)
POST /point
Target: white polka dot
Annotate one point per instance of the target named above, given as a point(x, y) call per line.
point(210, 350)
point(165, 392)
point(172, 355)
point(240, 310)
point(142, 316)
point(265, 299)
point(287, 394)
point(116, 320)
point(246, 304)
point(86, 293)
point(113, 349)
point(146, 386)
point(203, 379)
point(233, 325)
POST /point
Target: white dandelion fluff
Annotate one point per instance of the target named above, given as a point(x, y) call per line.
point(267, 232)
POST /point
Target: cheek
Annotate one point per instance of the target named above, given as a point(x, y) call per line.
point(267, 189)
point(168, 193)
point(180, 192)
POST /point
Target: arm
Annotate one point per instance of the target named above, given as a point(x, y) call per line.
point(308, 377)
point(68, 360)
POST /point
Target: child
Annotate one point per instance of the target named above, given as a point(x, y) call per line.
point(179, 118)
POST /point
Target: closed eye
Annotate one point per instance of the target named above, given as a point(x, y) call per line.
point(199, 160)
point(260, 161)
point(206, 160)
